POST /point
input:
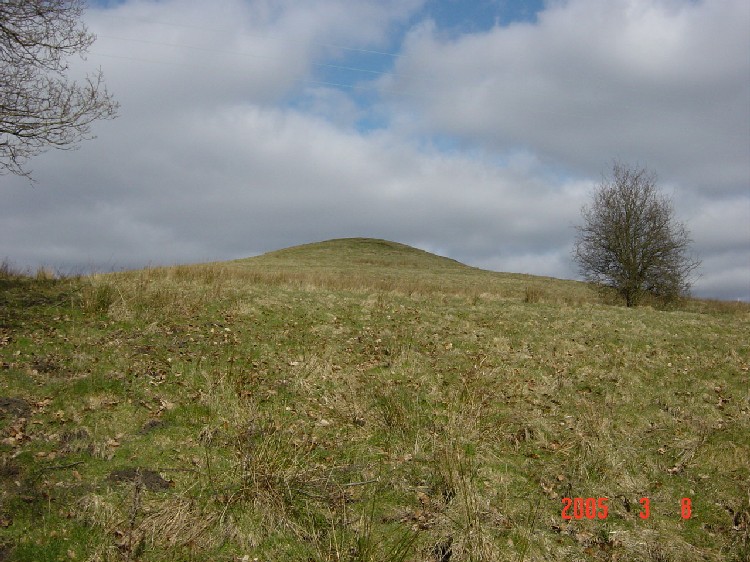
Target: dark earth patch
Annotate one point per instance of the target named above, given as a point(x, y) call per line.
point(151, 425)
point(17, 407)
point(151, 479)
point(45, 364)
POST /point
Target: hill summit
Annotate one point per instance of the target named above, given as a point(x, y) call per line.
point(375, 264)
point(359, 252)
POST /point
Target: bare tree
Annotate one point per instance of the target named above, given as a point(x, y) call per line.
point(39, 106)
point(630, 240)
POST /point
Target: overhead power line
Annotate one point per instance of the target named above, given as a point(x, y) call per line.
point(367, 86)
point(361, 87)
point(244, 54)
point(245, 33)
point(235, 53)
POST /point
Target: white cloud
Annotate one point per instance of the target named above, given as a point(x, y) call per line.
point(664, 83)
point(192, 53)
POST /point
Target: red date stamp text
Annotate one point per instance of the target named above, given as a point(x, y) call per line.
point(598, 508)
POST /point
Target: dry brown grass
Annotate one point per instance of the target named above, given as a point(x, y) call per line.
point(383, 407)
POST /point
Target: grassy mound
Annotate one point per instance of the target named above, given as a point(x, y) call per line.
point(355, 253)
point(368, 264)
point(362, 400)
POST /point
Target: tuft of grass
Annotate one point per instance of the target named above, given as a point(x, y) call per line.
point(97, 296)
point(533, 294)
point(8, 271)
point(45, 274)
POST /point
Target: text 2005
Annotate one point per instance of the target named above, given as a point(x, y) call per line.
point(596, 508)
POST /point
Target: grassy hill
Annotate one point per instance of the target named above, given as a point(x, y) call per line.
point(371, 265)
point(359, 400)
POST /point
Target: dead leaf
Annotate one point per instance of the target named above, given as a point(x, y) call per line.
point(167, 405)
point(424, 499)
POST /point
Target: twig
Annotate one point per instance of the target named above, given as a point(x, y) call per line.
point(134, 508)
point(361, 483)
point(62, 466)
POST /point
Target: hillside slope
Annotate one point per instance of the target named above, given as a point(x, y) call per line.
point(361, 400)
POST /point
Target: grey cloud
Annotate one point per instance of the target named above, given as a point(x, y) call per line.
point(261, 179)
point(189, 53)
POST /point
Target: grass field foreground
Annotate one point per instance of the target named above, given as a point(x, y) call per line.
point(361, 400)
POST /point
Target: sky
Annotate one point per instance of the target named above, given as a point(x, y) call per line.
point(475, 129)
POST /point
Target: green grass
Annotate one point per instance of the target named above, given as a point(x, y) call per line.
point(362, 400)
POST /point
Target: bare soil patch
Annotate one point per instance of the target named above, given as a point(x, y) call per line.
point(151, 479)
